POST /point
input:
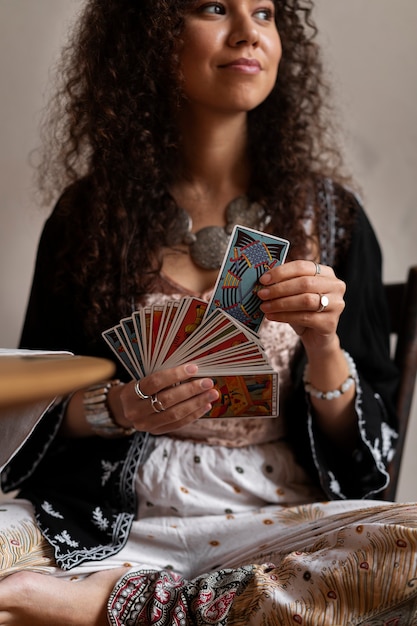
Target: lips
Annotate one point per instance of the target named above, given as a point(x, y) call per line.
point(244, 64)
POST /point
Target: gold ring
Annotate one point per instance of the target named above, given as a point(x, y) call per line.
point(324, 301)
point(139, 392)
point(156, 404)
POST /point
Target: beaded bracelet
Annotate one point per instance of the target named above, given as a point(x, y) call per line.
point(336, 393)
point(97, 412)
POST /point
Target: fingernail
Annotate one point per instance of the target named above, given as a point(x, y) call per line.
point(214, 395)
point(191, 368)
point(265, 279)
point(264, 293)
point(207, 383)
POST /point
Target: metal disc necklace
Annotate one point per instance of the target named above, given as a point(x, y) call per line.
point(208, 245)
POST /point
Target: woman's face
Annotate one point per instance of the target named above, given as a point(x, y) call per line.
point(230, 54)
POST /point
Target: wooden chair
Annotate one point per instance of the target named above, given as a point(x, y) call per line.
point(402, 303)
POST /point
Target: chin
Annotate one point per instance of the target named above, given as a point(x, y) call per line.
point(245, 101)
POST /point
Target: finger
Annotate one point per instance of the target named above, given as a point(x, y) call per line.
point(302, 293)
point(323, 322)
point(293, 269)
point(178, 415)
point(161, 379)
point(317, 311)
point(177, 394)
point(304, 302)
point(173, 405)
point(301, 308)
point(183, 413)
point(295, 283)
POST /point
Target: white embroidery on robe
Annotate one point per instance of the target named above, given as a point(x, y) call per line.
point(47, 507)
point(108, 469)
point(388, 434)
point(99, 520)
point(65, 537)
point(334, 484)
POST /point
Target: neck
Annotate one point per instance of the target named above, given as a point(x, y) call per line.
point(215, 162)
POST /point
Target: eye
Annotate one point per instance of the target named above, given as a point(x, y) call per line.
point(211, 8)
point(264, 14)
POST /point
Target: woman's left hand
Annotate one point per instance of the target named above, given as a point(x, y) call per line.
point(308, 296)
point(311, 298)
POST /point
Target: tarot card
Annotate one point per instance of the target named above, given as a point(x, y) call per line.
point(249, 255)
point(220, 331)
point(250, 395)
point(215, 328)
point(220, 345)
point(142, 323)
point(157, 316)
point(117, 346)
point(168, 317)
point(130, 340)
point(186, 322)
point(219, 336)
point(238, 360)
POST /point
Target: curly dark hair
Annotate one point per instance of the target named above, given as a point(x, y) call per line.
point(110, 127)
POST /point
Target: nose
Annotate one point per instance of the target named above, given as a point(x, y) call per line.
point(244, 31)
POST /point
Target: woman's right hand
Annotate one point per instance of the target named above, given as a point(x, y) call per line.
point(173, 398)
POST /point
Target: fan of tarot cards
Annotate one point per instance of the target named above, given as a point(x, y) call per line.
point(220, 336)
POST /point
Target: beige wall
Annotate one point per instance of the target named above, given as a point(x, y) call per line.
point(371, 49)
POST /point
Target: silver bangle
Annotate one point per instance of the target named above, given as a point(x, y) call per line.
point(97, 412)
point(336, 393)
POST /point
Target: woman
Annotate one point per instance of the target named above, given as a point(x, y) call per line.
point(174, 110)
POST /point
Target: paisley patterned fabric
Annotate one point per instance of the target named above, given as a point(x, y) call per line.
point(165, 599)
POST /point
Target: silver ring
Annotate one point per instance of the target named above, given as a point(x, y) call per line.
point(139, 392)
point(324, 301)
point(156, 404)
point(318, 268)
